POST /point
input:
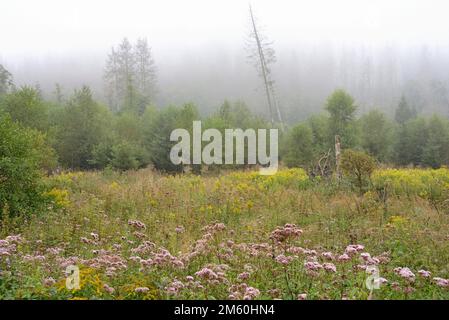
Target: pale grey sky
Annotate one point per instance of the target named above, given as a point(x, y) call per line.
point(33, 28)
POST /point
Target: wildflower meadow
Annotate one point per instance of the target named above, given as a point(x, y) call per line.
point(236, 235)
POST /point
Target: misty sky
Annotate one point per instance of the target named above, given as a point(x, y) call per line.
point(68, 26)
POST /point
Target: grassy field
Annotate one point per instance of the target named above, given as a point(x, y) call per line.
point(142, 235)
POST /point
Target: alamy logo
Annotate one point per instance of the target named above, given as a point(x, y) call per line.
point(72, 282)
point(372, 282)
point(236, 141)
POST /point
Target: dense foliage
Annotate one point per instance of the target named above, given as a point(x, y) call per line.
point(410, 139)
point(21, 154)
point(358, 166)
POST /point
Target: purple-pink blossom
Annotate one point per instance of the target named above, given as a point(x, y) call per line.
point(424, 273)
point(302, 296)
point(344, 257)
point(330, 267)
point(283, 259)
point(441, 282)
point(405, 273)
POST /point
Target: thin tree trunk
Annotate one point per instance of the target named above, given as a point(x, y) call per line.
point(262, 65)
point(337, 156)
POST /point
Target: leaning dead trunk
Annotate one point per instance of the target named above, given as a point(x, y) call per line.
point(263, 50)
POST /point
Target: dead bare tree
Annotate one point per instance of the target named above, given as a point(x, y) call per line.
point(322, 167)
point(337, 156)
point(262, 55)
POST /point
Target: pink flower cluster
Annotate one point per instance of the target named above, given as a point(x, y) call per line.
point(441, 282)
point(65, 262)
point(7, 249)
point(33, 258)
point(180, 229)
point(204, 245)
point(424, 273)
point(54, 251)
point(283, 259)
point(139, 235)
point(380, 281)
point(141, 290)
point(48, 282)
point(111, 262)
point(405, 273)
point(214, 227)
point(95, 236)
point(353, 249)
point(243, 276)
point(174, 287)
point(299, 250)
point(8, 246)
point(192, 284)
point(243, 291)
point(330, 267)
point(161, 258)
point(15, 238)
point(312, 266)
point(85, 240)
point(344, 257)
point(225, 251)
point(213, 274)
point(302, 296)
point(145, 248)
point(137, 224)
point(328, 255)
point(368, 260)
point(288, 231)
point(256, 249)
point(207, 274)
point(108, 289)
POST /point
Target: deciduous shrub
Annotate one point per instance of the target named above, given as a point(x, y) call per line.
point(358, 166)
point(20, 174)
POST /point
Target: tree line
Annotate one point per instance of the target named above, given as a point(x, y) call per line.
point(407, 140)
point(87, 135)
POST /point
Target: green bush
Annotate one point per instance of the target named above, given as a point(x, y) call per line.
point(297, 148)
point(126, 156)
point(27, 107)
point(20, 175)
point(159, 125)
point(81, 126)
point(358, 166)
